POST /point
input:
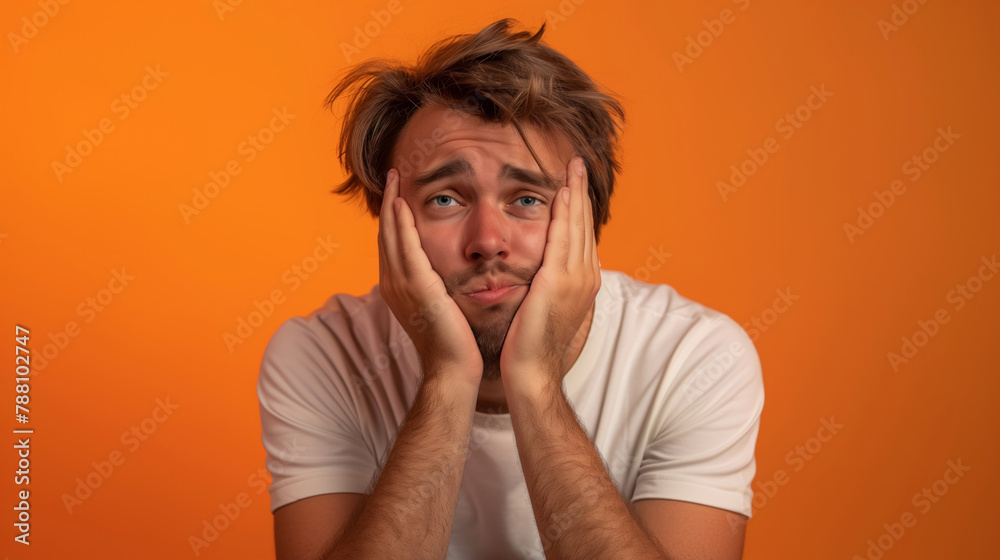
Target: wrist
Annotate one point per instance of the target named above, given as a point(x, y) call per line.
point(467, 371)
point(452, 383)
point(535, 390)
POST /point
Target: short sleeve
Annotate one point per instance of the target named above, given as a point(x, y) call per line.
point(309, 422)
point(702, 447)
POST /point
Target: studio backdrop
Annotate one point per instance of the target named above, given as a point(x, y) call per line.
point(823, 173)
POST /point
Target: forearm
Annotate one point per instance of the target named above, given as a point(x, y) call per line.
point(409, 512)
point(577, 507)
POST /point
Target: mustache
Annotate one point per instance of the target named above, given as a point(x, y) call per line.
point(459, 282)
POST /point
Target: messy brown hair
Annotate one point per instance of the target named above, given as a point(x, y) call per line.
point(495, 75)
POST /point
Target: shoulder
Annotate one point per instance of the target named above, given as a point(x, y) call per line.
point(334, 341)
point(663, 309)
point(340, 319)
point(692, 346)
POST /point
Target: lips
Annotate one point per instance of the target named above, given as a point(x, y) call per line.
point(490, 297)
point(493, 284)
point(493, 290)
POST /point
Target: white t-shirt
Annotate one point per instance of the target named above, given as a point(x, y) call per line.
point(669, 390)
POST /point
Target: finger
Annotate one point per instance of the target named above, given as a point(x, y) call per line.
point(565, 236)
point(556, 240)
point(575, 222)
point(387, 224)
point(412, 254)
point(588, 219)
point(383, 264)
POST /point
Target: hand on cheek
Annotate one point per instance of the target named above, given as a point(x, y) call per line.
point(560, 296)
point(417, 297)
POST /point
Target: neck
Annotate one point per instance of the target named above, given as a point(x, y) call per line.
point(493, 400)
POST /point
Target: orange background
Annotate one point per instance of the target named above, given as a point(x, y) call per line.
point(825, 356)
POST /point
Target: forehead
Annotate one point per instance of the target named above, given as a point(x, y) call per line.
point(436, 134)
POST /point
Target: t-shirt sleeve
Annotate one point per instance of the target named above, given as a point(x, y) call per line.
point(702, 447)
point(309, 424)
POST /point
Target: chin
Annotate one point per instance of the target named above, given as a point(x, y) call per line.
point(489, 326)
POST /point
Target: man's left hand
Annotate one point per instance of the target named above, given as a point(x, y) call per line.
point(562, 292)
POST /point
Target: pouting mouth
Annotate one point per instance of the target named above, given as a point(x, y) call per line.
point(493, 284)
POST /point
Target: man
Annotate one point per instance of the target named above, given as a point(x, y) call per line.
point(499, 395)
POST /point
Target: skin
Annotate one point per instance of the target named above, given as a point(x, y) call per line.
point(511, 356)
point(471, 227)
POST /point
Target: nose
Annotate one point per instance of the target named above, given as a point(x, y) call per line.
point(487, 230)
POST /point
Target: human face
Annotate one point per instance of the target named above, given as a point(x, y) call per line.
point(481, 207)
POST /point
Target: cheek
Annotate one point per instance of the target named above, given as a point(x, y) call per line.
point(530, 241)
point(439, 243)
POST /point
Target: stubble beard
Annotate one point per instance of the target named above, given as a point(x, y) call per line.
point(493, 322)
point(490, 333)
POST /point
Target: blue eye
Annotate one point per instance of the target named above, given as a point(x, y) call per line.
point(443, 196)
point(530, 198)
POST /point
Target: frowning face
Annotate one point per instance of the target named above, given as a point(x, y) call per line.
point(482, 207)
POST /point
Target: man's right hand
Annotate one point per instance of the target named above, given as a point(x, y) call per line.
point(416, 294)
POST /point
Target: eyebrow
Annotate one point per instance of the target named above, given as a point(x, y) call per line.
point(461, 166)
